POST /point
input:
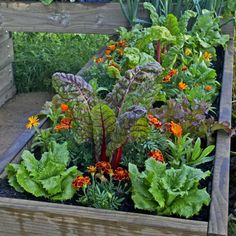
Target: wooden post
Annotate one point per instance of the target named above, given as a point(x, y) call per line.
point(7, 85)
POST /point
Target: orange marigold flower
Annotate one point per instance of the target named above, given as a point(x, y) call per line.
point(121, 174)
point(172, 72)
point(157, 155)
point(120, 51)
point(108, 57)
point(64, 107)
point(103, 166)
point(166, 79)
point(81, 181)
point(64, 124)
point(92, 169)
point(207, 56)
point(184, 68)
point(175, 129)
point(122, 43)
point(182, 86)
point(99, 60)
point(208, 88)
point(33, 121)
point(154, 121)
point(108, 52)
point(111, 47)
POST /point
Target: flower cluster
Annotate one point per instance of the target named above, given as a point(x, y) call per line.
point(66, 123)
point(154, 121)
point(81, 182)
point(157, 155)
point(168, 77)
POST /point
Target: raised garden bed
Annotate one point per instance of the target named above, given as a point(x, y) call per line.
point(26, 217)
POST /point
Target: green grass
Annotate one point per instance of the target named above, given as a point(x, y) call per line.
point(39, 55)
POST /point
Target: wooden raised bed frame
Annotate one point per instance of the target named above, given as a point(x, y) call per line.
point(24, 217)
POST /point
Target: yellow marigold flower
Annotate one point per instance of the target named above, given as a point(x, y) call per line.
point(182, 86)
point(187, 52)
point(92, 169)
point(207, 56)
point(33, 121)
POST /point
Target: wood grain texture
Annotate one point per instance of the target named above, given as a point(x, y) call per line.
point(6, 79)
point(7, 94)
point(218, 222)
point(6, 53)
point(21, 217)
point(101, 18)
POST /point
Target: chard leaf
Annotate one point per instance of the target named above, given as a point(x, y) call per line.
point(124, 124)
point(152, 11)
point(171, 23)
point(183, 22)
point(73, 87)
point(104, 119)
point(129, 83)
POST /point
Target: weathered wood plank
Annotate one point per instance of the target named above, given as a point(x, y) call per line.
point(218, 223)
point(6, 95)
point(62, 17)
point(4, 35)
point(14, 152)
point(21, 217)
point(6, 79)
point(6, 53)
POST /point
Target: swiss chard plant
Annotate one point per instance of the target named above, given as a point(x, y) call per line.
point(110, 123)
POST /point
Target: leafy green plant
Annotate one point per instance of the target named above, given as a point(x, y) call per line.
point(47, 177)
point(168, 191)
point(35, 62)
point(109, 123)
point(184, 151)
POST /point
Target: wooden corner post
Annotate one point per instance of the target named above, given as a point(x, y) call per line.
point(7, 85)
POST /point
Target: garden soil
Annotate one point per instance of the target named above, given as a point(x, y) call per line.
point(14, 115)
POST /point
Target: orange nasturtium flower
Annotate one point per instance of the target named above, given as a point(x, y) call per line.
point(33, 121)
point(104, 166)
point(92, 169)
point(175, 129)
point(154, 121)
point(121, 174)
point(207, 56)
point(111, 47)
point(182, 86)
point(81, 181)
point(157, 155)
point(64, 107)
point(99, 60)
